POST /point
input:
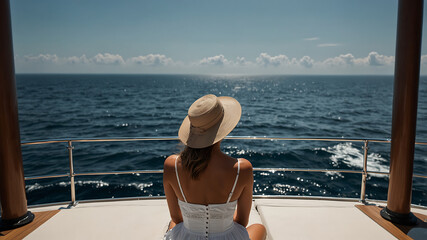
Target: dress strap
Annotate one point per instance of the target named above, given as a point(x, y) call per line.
point(235, 181)
point(177, 178)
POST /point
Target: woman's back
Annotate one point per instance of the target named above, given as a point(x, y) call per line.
point(208, 204)
point(216, 182)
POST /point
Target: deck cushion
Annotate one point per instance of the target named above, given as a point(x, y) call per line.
point(317, 219)
point(135, 219)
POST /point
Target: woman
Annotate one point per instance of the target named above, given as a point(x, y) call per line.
point(203, 185)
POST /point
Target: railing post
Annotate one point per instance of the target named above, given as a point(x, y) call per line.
point(70, 148)
point(365, 172)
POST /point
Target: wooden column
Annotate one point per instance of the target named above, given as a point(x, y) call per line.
point(12, 185)
point(405, 99)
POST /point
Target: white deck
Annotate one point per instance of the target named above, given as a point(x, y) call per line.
point(148, 219)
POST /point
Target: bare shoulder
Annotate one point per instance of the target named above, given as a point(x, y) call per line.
point(245, 166)
point(169, 164)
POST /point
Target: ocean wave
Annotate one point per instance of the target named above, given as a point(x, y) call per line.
point(348, 154)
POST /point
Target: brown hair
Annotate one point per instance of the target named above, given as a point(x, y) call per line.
point(196, 160)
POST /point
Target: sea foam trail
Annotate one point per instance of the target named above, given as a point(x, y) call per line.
point(348, 154)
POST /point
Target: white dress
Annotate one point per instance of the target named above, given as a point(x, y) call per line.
point(212, 221)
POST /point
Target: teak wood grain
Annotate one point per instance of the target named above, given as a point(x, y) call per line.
point(20, 233)
point(397, 230)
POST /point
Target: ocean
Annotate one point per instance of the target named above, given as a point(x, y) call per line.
point(71, 106)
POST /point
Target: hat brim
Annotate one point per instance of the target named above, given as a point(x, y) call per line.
point(196, 139)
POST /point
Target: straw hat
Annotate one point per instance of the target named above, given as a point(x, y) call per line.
point(209, 120)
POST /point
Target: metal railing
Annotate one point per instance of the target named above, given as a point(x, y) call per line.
point(364, 172)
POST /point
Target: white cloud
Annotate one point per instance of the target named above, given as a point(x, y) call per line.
point(218, 60)
point(328, 45)
point(152, 60)
point(282, 60)
point(108, 58)
point(306, 61)
point(343, 59)
point(76, 60)
point(423, 59)
point(375, 59)
point(42, 58)
point(311, 39)
point(241, 61)
point(222, 61)
point(266, 60)
point(281, 63)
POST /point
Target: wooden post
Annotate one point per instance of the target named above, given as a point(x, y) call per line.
point(12, 185)
point(405, 101)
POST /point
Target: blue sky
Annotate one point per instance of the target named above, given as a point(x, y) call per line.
point(212, 37)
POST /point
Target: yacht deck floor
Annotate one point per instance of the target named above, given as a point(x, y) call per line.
point(148, 219)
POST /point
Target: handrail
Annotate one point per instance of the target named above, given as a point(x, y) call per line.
point(72, 174)
point(169, 138)
point(255, 170)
